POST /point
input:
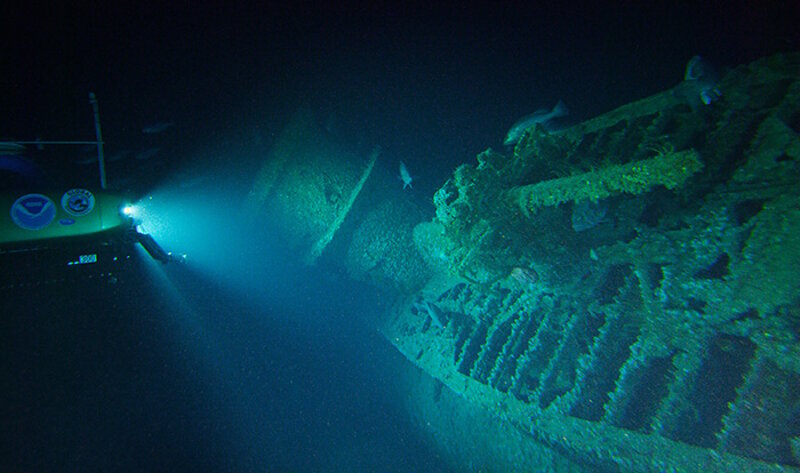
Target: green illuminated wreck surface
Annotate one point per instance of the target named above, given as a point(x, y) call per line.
point(621, 295)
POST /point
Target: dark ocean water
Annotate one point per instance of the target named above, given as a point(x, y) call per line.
point(172, 373)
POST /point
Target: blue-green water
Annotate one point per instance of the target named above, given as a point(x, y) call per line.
point(128, 377)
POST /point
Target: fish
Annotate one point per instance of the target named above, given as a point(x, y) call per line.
point(699, 83)
point(147, 153)
point(526, 278)
point(87, 159)
point(587, 214)
point(541, 116)
point(189, 180)
point(156, 128)
point(9, 147)
point(436, 314)
point(405, 176)
point(119, 155)
point(87, 154)
point(91, 158)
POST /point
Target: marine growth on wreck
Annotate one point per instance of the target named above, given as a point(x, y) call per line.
point(625, 293)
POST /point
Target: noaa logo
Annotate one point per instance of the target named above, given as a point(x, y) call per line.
point(33, 211)
point(77, 202)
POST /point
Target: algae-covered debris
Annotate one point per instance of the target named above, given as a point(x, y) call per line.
point(382, 249)
point(670, 169)
point(307, 185)
point(520, 205)
point(671, 330)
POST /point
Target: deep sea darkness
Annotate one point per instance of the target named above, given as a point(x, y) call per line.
point(122, 377)
point(431, 85)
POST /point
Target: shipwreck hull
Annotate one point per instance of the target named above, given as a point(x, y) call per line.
point(622, 295)
point(588, 386)
point(666, 337)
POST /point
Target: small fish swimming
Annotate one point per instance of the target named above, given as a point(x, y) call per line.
point(86, 159)
point(541, 116)
point(146, 154)
point(158, 127)
point(587, 214)
point(195, 178)
point(119, 155)
point(526, 278)
point(405, 176)
point(700, 82)
point(437, 315)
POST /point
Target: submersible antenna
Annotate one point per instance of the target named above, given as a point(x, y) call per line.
point(101, 162)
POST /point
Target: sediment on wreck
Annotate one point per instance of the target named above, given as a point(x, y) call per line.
point(661, 335)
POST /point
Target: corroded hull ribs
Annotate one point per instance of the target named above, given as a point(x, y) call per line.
point(662, 334)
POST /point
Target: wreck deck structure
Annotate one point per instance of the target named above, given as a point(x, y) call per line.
point(622, 295)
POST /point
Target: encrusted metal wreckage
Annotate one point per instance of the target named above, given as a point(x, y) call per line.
point(663, 338)
point(622, 295)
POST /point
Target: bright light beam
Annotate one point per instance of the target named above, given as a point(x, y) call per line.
point(206, 226)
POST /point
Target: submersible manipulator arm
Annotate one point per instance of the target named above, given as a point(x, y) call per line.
point(155, 250)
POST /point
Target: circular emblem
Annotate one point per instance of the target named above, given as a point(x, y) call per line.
point(33, 211)
point(77, 202)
